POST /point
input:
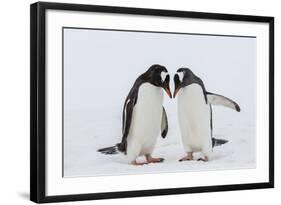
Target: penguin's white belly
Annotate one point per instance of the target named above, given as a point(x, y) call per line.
point(194, 119)
point(146, 121)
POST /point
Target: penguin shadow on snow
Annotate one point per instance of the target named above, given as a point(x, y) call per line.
point(144, 117)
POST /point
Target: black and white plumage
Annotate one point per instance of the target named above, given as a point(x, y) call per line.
point(143, 115)
point(195, 113)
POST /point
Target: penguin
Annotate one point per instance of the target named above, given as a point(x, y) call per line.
point(143, 116)
point(194, 106)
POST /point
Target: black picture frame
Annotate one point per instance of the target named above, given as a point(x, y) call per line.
point(38, 101)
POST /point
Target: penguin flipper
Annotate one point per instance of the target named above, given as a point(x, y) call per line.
point(164, 124)
point(127, 119)
point(215, 99)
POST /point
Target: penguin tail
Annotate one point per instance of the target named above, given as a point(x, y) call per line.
point(218, 142)
point(116, 149)
point(109, 150)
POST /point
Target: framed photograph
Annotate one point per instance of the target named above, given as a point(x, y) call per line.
point(129, 102)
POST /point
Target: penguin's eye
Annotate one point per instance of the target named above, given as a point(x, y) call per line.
point(180, 74)
point(163, 75)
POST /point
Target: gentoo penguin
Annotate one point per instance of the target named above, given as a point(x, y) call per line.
point(195, 113)
point(144, 116)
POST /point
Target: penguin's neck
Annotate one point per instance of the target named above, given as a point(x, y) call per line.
point(149, 93)
point(192, 94)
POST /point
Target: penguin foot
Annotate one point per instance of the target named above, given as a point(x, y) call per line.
point(138, 163)
point(188, 157)
point(150, 159)
point(204, 159)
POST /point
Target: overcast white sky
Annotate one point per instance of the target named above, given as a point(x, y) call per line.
point(101, 66)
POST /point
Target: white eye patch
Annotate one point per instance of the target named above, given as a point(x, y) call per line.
point(180, 74)
point(163, 75)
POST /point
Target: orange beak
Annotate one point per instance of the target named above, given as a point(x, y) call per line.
point(168, 92)
point(176, 91)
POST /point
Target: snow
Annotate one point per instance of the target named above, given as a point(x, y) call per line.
point(86, 133)
point(95, 89)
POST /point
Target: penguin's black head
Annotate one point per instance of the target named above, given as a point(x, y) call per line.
point(158, 75)
point(182, 75)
